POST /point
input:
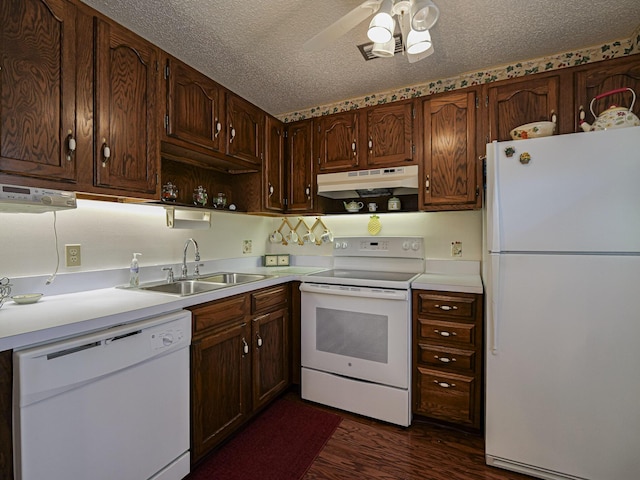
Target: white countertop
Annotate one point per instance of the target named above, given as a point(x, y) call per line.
point(61, 316)
point(65, 315)
point(450, 276)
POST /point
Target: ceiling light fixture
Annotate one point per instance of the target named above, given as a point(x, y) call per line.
point(415, 18)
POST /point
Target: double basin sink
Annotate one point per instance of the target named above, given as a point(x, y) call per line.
point(205, 283)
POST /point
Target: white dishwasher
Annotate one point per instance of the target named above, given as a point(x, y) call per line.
point(108, 405)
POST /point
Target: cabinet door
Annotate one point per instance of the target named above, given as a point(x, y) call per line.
point(450, 176)
point(270, 356)
point(390, 135)
point(300, 167)
point(337, 142)
point(126, 113)
point(220, 398)
point(193, 106)
point(38, 85)
point(603, 77)
point(273, 168)
point(245, 124)
point(6, 381)
point(531, 99)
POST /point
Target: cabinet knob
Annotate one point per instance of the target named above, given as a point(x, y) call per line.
point(445, 359)
point(444, 384)
point(354, 148)
point(245, 347)
point(444, 333)
point(307, 192)
point(370, 145)
point(271, 189)
point(427, 183)
point(233, 133)
point(106, 152)
point(446, 308)
point(258, 340)
point(218, 129)
point(71, 145)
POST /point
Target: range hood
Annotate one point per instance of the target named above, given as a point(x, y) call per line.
point(369, 183)
point(19, 199)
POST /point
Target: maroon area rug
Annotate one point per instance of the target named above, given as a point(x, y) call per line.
point(280, 444)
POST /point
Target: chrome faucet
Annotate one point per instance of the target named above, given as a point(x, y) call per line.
point(184, 258)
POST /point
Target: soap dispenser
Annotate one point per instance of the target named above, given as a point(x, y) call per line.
point(134, 271)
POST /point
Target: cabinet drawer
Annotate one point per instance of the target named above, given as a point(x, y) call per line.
point(269, 299)
point(446, 396)
point(218, 312)
point(444, 332)
point(444, 357)
point(460, 305)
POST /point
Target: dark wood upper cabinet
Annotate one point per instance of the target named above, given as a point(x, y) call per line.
point(390, 134)
point(245, 130)
point(337, 142)
point(38, 89)
point(301, 178)
point(515, 103)
point(273, 167)
point(451, 172)
point(127, 145)
point(593, 79)
point(194, 111)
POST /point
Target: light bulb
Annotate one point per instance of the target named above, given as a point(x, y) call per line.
point(418, 42)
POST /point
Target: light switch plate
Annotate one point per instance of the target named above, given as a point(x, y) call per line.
point(283, 260)
point(270, 260)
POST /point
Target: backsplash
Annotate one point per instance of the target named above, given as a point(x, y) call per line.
point(606, 51)
point(110, 232)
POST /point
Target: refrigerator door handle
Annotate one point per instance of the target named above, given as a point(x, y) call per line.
point(493, 199)
point(494, 303)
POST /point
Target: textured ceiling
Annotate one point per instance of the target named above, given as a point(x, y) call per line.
point(254, 47)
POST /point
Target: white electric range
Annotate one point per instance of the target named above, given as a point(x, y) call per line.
point(356, 327)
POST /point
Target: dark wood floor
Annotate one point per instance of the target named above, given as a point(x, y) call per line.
point(362, 448)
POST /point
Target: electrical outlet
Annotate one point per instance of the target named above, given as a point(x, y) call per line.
point(270, 260)
point(456, 249)
point(283, 260)
point(72, 255)
point(246, 246)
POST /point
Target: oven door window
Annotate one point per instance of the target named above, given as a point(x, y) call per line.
point(364, 337)
point(353, 334)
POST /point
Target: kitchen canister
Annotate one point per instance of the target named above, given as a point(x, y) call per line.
point(393, 204)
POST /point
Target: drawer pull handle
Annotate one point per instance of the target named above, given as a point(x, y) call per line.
point(258, 340)
point(444, 333)
point(445, 359)
point(444, 384)
point(446, 307)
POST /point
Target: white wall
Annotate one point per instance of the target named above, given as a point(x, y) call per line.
point(110, 232)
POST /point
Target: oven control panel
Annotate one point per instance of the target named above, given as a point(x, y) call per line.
point(403, 247)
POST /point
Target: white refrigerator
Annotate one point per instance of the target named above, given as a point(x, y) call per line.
point(562, 277)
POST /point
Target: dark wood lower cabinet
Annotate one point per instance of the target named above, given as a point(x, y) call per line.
point(239, 362)
point(6, 389)
point(448, 357)
point(220, 395)
point(270, 356)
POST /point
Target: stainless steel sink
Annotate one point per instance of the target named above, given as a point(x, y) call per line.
point(182, 287)
point(232, 278)
point(207, 283)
